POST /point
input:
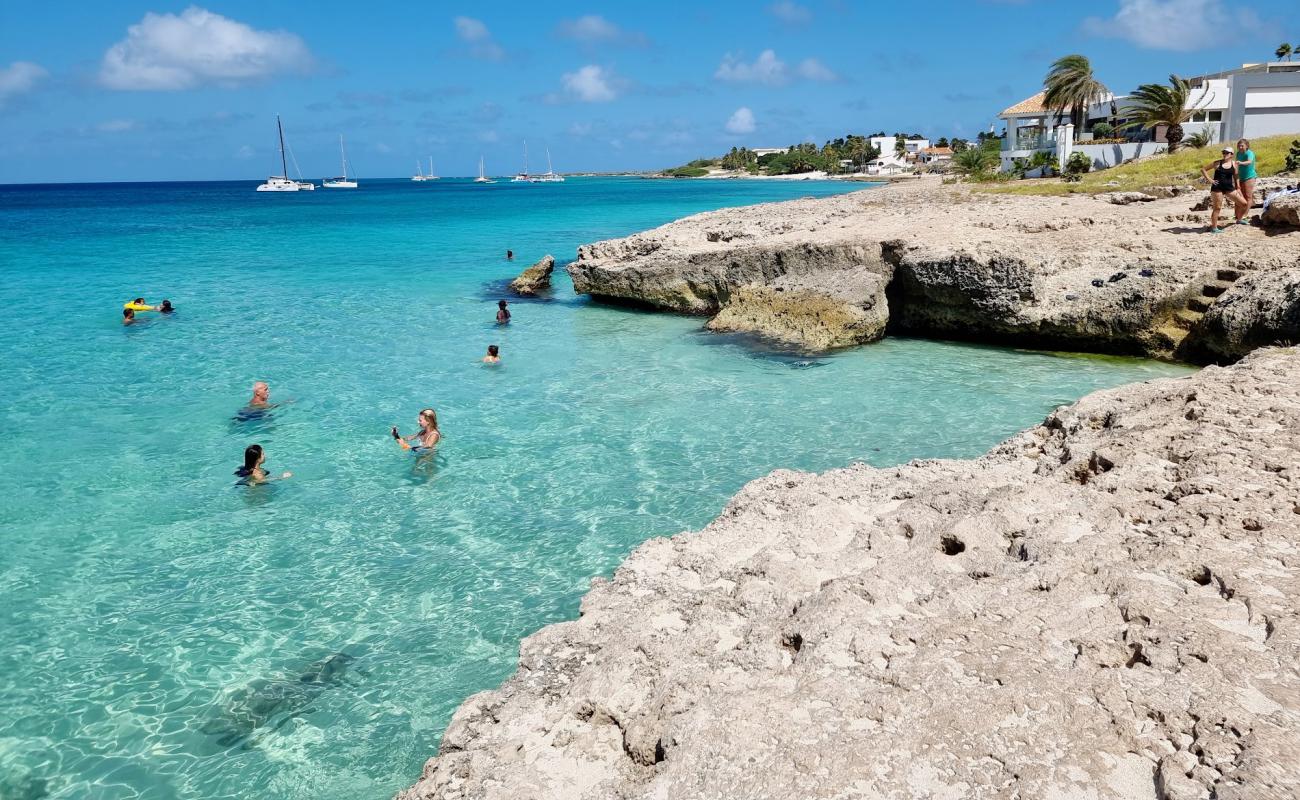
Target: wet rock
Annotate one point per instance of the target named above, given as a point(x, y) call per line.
point(838, 309)
point(535, 278)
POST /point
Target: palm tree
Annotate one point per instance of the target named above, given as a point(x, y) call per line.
point(976, 161)
point(1155, 104)
point(1283, 50)
point(1070, 86)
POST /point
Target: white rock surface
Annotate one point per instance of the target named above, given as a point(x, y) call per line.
point(1103, 607)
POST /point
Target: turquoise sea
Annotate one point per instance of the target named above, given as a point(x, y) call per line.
point(167, 634)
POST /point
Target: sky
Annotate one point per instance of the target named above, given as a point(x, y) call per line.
point(149, 91)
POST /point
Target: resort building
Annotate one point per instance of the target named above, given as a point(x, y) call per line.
point(934, 155)
point(885, 144)
point(759, 152)
point(1255, 100)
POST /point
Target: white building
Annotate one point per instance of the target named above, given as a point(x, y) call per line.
point(759, 152)
point(885, 144)
point(934, 155)
point(1256, 100)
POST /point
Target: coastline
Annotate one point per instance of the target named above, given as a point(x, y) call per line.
point(1082, 612)
point(682, 673)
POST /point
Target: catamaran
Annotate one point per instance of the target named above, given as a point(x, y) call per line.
point(342, 182)
point(550, 176)
point(281, 182)
point(419, 172)
point(524, 177)
point(481, 177)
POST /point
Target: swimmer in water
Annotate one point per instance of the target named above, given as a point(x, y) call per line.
point(166, 307)
point(503, 314)
point(510, 255)
point(252, 473)
point(426, 439)
point(128, 316)
point(261, 396)
point(493, 356)
point(139, 304)
point(259, 405)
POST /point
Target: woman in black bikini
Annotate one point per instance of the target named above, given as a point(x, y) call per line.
point(1223, 184)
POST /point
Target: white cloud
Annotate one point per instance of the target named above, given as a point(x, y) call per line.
point(591, 28)
point(244, 152)
point(20, 77)
point(766, 69)
point(1174, 24)
point(742, 121)
point(166, 52)
point(474, 33)
point(590, 84)
point(814, 70)
point(115, 126)
point(790, 13)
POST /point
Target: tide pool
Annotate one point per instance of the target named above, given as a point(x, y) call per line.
point(167, 634)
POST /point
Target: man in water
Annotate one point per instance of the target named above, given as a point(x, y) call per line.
point(261, 396)
point(503, 314)
point(259, 404)
point(510, 255)
point(493, 355)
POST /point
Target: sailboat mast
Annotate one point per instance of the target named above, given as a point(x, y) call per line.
point(343, 157)
point(283, 166)
point(430, 166)
point(525, 156)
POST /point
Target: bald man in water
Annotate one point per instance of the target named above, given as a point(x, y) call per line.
point(261, 396)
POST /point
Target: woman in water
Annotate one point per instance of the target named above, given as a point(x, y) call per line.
point(426, 439)
point(1223, 184)
point(1246, 173)
point(503, 314)
point(252, 473)
point(493, 356)
point(166, 307)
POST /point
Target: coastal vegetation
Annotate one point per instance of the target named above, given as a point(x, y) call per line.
point(1070, 86)
point(1155, 104)
point(1172, 169)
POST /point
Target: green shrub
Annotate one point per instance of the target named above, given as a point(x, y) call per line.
point(1197, 140)
point(1103, 130)
point(1075, 167)
point(688, 172)
point(1293, 157)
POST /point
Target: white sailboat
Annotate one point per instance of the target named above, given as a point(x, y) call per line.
point(419, 172)
point(481, 177)
point(550, 176)
point(524, 177)
point(341, 182)
point(281, 182)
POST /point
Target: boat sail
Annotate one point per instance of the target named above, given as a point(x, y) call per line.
point(481, 177)
point(419, 172)
point(524, 177)
point(550, 176)
point(281, 182)
point(340, 182)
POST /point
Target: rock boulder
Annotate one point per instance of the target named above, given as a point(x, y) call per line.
point(1282, 212)
point(535, 278)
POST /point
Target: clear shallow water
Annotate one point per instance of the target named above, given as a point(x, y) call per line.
point(167, 635)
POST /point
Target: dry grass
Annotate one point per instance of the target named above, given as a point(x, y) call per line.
point(1164, 170)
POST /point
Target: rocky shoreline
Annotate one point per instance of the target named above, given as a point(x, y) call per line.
point(1084, 273)
point(1103, 607)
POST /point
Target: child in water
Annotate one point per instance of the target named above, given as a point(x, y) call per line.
point(252, 472)
point(128, 316)
point(493, 356)
point(503, 314)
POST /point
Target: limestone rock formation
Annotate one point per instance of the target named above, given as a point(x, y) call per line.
point(838, 310)
point(1125, 198)
point(1259, 310)
point(1042, 272)
point(1282, 212)
point(1106, 606)
point(535, 278)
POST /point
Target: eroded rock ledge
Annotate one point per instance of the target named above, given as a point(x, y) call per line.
point(937, 260)
point(1103, 607)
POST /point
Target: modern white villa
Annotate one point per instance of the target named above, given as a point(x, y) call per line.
point(1255, 100)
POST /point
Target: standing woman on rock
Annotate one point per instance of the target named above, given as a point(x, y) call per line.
point(1223, 184)
point(1246, 172)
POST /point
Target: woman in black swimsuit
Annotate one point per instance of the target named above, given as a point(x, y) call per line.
point(1223, 184)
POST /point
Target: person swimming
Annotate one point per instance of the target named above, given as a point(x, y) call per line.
point(128, 317)
point(503, 313)
point(259, 405)
point(261, 395)
point(426, 439)
point(253, 472)
point(510, 255)
point(166, 307)
point(493, 355)
point(139, 304)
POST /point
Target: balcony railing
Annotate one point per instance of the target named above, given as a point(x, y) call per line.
point(1031, 141)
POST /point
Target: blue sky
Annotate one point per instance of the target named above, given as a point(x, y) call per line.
point(150, 91)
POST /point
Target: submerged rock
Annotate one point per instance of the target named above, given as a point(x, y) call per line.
point(535, 278)
point(1104, 606)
